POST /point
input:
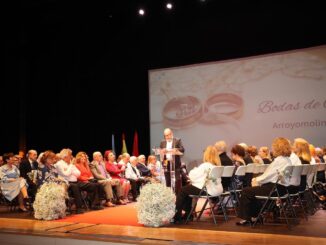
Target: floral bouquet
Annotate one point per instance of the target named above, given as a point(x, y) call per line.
point(155, 205)
point(50, 202)
point(32, 176)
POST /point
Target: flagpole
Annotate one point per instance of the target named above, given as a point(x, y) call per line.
point(113, 145)
point(124, 146)
point(135, 151)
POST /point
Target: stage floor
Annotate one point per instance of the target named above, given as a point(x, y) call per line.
point(12, 224)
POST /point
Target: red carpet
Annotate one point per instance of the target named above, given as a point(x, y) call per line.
point(119, 215)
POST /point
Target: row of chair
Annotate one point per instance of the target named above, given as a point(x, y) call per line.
point(249, 170)
point(230, 195)
point(299, 194)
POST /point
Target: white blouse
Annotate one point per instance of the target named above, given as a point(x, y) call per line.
point(270, 175)
point(198, 177)
point(68, 171)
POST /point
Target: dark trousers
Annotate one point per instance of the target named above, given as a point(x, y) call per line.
point(184, 201)
point(135, 187)
point(75, 193)
point(31, 190)
point(92, 190)
point(249, 205)
point(321, 176)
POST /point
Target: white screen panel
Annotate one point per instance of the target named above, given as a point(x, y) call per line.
point(251, 100)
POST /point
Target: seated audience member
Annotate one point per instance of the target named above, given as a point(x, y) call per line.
point(247, 159)
point(87, 182)
point(198, 177)
point(27, 167)
point(301, 149)
point(17, 161)
point(221, 148)
point(156, 169)
point(124, 162)
point(237, 154)
point(314, 158)
point(253, 153)
point(67, 170)
point(46, 171)
point(264, 154)
point(99, 172)
point(119, 158)
point(11, 184)
point(319, 159)
point(141, 165)
point(263, 185)
point(38, 160)
point(293, 157)
point(117, 170)
point(133, 175)
point(320, 175)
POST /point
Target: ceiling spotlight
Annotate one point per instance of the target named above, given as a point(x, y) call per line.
point(141, 12)
point(169, 6)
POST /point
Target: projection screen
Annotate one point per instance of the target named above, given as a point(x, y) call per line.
point(251, 100)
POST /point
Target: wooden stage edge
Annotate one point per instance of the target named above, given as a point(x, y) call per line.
point(24, 231)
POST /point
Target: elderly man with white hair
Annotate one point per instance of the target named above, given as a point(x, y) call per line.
point(133, 175)
point(68, 171)
point(97, 167)
point(141, 165)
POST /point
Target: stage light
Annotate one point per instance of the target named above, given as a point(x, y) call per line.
point(169, 6)
point(141, 12)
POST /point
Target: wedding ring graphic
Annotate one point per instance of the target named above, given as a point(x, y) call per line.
point(182, 112)
point(222, 108)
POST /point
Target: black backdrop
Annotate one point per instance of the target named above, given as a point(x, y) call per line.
point(77, 71)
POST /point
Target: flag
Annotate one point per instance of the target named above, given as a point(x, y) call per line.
point(113, 146)
point(124, 146)
point(135, 151)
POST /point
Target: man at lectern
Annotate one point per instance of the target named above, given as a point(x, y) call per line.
point(172, 149)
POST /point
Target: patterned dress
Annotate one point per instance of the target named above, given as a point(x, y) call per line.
point(10, 181)
point(48, 174)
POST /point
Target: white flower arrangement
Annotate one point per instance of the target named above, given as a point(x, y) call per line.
point(155, 205)
point(50, 202)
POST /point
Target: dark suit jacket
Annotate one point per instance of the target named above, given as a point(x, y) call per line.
point(266, 161)
point(247, 159)
point(175, 144)
point(25, 168)
point(144, 171)
point(225, 160)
